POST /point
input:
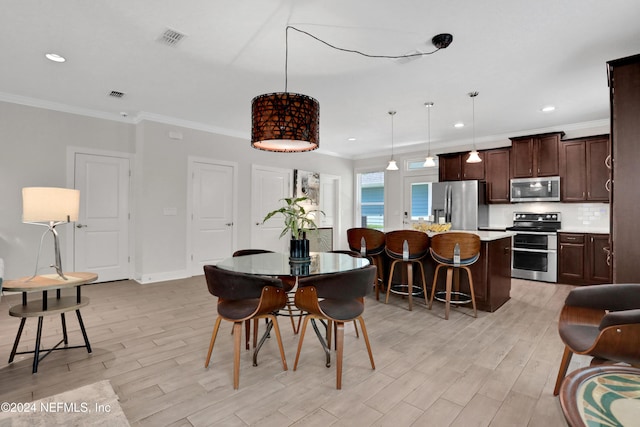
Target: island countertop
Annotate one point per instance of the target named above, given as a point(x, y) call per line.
point(485, 236)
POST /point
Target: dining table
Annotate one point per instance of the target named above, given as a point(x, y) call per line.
point(276, 264)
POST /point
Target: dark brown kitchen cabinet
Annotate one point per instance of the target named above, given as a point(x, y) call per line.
point(583, 258)
point(497, 175)
point(571, 255)
point(573, 171)
point(454, 167)
point(535, 155)
point(599, 265)
point(583, 172)
point(450, 167)
point(624, 92)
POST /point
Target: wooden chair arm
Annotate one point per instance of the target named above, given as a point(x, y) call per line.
point(619, 343)
point(624, 317)
point(306, 299)
point(580, 316)
point(271, 299)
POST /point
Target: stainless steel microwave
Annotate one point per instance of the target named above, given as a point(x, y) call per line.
point(546, 189)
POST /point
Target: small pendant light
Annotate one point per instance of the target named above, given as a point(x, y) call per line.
point(474, 157)
point(392, 166)
point(429, 161)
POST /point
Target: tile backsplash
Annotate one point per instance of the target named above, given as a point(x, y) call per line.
point(581, 217)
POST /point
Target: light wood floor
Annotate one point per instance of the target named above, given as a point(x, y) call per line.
point(150, 341)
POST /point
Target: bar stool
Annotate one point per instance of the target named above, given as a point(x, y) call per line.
point(370, 244)
point(454, 251)
point(415, 249)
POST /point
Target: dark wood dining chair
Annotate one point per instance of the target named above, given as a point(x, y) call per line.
point(338, 298)
point(442, 249)
point(373, 249)
point(417, 249)
point(244, 297)
point(602, 321)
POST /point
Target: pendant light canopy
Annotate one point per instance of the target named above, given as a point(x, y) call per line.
point(392, 166)
point(429, 161)
point(474, 157)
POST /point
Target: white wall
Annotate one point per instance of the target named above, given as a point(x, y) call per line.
point(34, 146)
point(33, 150)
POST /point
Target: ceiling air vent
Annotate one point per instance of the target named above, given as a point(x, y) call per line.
point(116, 94)
point(171, 37)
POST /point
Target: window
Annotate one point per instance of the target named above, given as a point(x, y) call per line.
point(371, 199)
point(420, 200)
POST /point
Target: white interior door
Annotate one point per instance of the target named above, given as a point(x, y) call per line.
point(212, 213)
point(101, 236)
point(268, 187)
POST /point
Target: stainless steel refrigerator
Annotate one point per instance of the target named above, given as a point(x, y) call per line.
point(462, 203)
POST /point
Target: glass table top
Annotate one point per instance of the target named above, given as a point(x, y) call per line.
point(278, 264)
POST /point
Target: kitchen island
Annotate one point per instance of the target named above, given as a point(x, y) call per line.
point(491, 273)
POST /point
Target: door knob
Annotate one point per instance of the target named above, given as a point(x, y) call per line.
point(81, 225)
point(229, 224)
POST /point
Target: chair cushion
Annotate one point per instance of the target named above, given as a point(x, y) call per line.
point(342, 309)
point(237, 309)
point(578, 337)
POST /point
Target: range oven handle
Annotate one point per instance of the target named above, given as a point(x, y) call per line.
point(540, 251)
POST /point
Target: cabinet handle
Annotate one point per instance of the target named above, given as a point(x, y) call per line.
point(583, 194)
point(607, 185)
point(607, 161)
point(608, 252)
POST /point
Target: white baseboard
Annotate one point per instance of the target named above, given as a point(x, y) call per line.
point(162, 277)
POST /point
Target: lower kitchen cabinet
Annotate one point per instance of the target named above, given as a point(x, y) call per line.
point(583, 258)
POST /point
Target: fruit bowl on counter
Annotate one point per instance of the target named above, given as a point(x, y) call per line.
point(432, 228)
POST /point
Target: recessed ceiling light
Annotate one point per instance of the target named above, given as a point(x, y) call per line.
point(548, 109)
point(55, 57)
point(351, 139)
point(459, 125)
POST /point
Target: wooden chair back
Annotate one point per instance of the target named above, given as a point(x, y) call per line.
point(374, 240)
point(417, 241)
point(443, 246)
point(230, 285)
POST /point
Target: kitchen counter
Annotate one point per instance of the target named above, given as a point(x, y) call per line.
point(485, 236)
point(584, 230)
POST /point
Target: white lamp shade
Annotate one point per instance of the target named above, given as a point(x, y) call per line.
point(45, 204)
point(474, 157)
point(392, 166)
point(429, 162)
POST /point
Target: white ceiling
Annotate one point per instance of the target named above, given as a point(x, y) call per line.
point(520, 55)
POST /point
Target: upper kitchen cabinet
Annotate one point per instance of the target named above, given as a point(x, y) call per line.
point(583, 169)
point(454, 167)
point(624, 93)
point(497, 175)
point(536, 155)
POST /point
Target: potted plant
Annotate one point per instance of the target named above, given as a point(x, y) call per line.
point(297, 222)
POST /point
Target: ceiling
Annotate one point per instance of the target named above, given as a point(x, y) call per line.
point(519, 55)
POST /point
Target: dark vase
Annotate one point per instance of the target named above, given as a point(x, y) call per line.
point(299, 250)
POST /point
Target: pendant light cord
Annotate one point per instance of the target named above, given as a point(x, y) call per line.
point(367, 55)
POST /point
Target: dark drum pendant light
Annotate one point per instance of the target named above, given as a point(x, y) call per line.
point(285, 122)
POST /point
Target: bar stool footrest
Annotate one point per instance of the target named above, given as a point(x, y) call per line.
point(404, 290)
point(456, 297)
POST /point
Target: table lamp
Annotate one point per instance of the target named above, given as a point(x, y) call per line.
point(50, 206)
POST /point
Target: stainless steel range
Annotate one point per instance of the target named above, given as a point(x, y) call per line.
point(534, 248)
